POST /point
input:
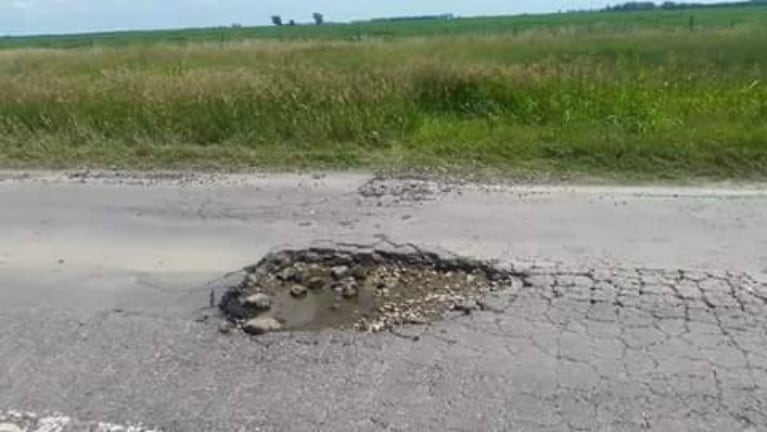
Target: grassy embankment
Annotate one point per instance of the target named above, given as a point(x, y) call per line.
point(653, 102)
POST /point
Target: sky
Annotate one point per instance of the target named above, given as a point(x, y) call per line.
point(20, 17)
point(75, 16)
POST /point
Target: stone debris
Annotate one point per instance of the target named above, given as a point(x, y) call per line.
point(316, 283)
point(261, 325)
point(392, 191)
point(298, 291)
point(339, 272)
point(259, 301)
point(251, 280)
point(350, 291)
point(364, 290)
point(18, 421)
point(288, 274)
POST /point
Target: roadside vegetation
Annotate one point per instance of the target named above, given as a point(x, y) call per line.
point(639, 100)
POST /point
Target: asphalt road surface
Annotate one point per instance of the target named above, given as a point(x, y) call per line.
point(641, 308)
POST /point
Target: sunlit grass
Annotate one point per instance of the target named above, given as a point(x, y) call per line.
point(648, 102)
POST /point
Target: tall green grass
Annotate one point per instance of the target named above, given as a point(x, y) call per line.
point(652, 103)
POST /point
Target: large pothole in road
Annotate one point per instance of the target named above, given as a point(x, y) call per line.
point(358, 289)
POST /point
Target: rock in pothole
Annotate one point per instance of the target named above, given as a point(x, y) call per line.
point(356, 289)
point(298, 291)
point(259, 301)
point(261, 325)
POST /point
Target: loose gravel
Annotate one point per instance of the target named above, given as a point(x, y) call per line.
point(362, 290)
point(24, 421)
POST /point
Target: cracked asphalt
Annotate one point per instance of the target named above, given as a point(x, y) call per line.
point(635, 308)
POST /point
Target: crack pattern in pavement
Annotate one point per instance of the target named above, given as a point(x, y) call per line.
point(608, 340)
point(621, 349)
point(697, 338)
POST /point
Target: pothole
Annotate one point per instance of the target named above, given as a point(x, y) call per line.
point(399, 190)
point(368, 290)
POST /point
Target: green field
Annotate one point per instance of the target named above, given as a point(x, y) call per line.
point(638, 95)
point(595, 22)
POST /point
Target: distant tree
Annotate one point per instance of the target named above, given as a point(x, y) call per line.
point(277, 20)
point(318, 18)
point(632, 6)
point(292, 23)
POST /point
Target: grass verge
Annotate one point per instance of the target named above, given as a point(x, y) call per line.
point(642, 103)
